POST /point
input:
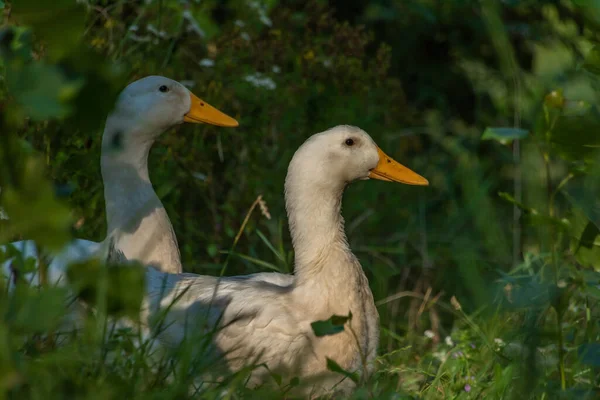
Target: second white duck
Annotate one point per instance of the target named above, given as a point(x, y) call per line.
point(137, 222)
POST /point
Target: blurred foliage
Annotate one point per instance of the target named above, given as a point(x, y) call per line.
point(487, 281)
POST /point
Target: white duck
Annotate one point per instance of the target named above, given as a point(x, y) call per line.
point(266, 317)
point(137, 221)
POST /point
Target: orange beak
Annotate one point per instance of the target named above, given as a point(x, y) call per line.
point(388, 169)
point(201, 111)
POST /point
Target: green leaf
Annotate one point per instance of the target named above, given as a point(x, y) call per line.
point(212, 249)
point(29, 199)
point(203, 24)
point(16, 42)
point(584, 192)
point(254, 261)
point(59, 23)
point(276, 378)
point(592, 291)
point(592, 61)
point(103, 81)
point(125, 286)
point(504, 135)
point(585, 244)
point(574, 135)
point(589, 354)
point(588, 236)
point(42, 90)
point(335, 367)
point(269, 245)
point(37, 311)
point(2, 4)
point(331, 326)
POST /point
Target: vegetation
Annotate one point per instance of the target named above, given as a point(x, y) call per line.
point(487, 281)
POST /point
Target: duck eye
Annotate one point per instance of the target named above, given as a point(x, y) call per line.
point(349, 142)
point(163, 88)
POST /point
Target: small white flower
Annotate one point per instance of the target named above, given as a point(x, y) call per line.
point(193, 24)
point(200, 176)
point(449, 341)
point(206, 62)
point(240, 23)
point(245, 36)
point(499, 342)
point(152, 29)
point(429, 334)
point(259, 80)
point(262, 14)
point(276, 69)
point(441, 355)
point(140, 39)
point(265, 20)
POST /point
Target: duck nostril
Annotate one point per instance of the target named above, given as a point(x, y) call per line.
point(389, 161)
point(202, 104)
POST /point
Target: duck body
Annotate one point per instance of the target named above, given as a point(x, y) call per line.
point(138, 224)
point(266, 318)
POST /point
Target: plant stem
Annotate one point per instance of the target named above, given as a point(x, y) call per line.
point(561, 352)
point(553, 243)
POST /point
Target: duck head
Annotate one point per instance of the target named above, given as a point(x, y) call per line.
point(149, 106)
point(344, 154)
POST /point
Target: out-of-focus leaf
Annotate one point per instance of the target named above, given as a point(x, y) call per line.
point(584, 244)
point(29, 199)
point(96, 97)
point(16, 42)
point(59, 23)
point(42, 90)
point(588, 236)
point(202, 24)
point(125, 285)
point(574, 135)
point(36, 311)
point(584, 193)
point(527, 292)
point(592, 61)
point(331, 326)
point(589, 354)
point(504, 135)
point(335, 367)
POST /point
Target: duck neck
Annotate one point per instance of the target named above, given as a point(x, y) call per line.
point(317, 229)
point(136, 219)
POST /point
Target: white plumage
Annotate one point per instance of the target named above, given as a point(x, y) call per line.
point(137, 221)
point(266, 317)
